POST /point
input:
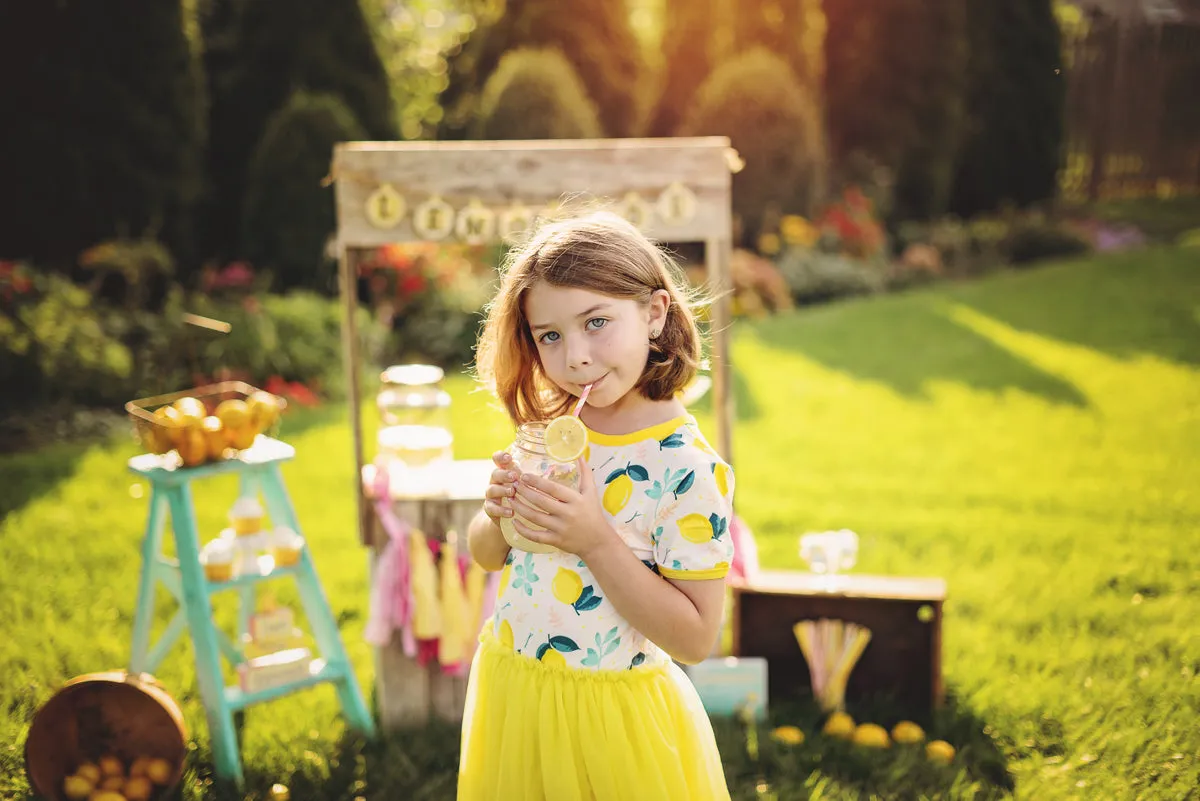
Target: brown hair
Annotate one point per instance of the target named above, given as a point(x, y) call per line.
point(603, 253)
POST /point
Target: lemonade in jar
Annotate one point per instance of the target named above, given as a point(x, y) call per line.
point(549, 450)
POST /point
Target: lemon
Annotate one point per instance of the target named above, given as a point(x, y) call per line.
point(506, 635)
point(940, 751)
point(214, 436)
point(618, 493)
point(114, 783)
point(89, 771)
point(264, 410)
point(695, 528)
point(553, 657)
point(906, 732)
point(871, 735)
point(234, 414)
point(721, 473)
point(138, 788)
point(566, 438)
point(839, 725)
point(111, 766)
point(106, 795)
point(567, 586)
point(788, 735)
point(77, 787)
point(191, 411)
point(193, 449)
point(158, 771)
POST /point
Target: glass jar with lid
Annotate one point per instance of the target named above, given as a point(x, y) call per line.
point(529, 455)
point(414, 417)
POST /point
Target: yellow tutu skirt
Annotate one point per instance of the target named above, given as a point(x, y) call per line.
point(543, 732)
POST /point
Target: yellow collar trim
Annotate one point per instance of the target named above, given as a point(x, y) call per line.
point(655, 432)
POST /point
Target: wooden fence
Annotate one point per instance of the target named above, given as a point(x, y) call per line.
point(1132, 106)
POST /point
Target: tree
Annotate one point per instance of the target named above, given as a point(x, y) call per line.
point(595, 37)
point(288, 214)
point(1015, 103)
point(535, 94)
point(894, 90)
point(321, 46)
point(687, 60)
point(103, 127)
point(756, 101)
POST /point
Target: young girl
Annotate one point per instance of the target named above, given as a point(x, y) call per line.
point(573, 694)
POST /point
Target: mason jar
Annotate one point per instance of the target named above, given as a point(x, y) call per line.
point(528, 452)
point(414, 416)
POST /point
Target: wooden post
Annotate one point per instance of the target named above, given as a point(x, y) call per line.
point(348, 286)
point(717, 254)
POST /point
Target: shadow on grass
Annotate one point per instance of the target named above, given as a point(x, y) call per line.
point(745, 404)
point(834, 768)
point(28, 476)
point(906, 342)
point(421, 764)
point(1124, 305)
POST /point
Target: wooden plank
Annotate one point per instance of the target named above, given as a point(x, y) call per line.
point(534, 174)
point(847, 585)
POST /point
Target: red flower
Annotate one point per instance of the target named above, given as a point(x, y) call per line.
point(410, 284)
point(235, 274)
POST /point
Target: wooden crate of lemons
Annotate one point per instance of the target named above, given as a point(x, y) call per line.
point(206, 424)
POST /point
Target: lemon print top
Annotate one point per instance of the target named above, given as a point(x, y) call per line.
point(669, 496)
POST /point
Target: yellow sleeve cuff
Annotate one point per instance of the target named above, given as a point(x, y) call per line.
point(720, 571)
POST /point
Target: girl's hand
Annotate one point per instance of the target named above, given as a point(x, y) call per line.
point(574, 521)
point(501, 489)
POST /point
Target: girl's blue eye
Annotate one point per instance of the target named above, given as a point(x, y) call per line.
point(545, 338)
point(600, 322)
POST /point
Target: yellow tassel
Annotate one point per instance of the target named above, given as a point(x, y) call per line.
point(427, 610)
point(453, 646)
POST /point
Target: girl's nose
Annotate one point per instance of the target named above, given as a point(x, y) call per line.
point(578, 354)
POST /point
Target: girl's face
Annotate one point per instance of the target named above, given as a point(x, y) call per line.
point(584, 337)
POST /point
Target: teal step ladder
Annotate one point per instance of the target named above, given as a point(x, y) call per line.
point(183, 576)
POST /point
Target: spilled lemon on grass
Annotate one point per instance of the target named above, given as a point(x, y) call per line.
point(839, 725)
point(940, 751)
point(871, 735)
point(907, 733)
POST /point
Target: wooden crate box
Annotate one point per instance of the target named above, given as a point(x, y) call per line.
point(904, 615)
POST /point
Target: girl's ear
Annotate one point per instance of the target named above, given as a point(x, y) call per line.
point(660, 302)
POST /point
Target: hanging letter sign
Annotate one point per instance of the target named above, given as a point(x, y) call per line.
point(433, 219)
point(514, 222)
point(385, 207)
point(635, 209)
point(677, 205)
point(475, 224)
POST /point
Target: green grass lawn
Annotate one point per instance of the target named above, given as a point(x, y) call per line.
point(1033, 437)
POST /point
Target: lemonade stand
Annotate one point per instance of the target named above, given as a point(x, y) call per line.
point(676, 190)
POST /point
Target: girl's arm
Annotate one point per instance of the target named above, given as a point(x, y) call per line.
point(485, 542)
point(683, 617)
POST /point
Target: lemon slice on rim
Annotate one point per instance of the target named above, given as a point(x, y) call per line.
point(566, 438)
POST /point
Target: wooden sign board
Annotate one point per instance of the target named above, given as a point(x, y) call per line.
point(675, 190)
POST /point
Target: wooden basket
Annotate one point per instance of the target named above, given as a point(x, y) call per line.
point(115, 713)
point(147, 428)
